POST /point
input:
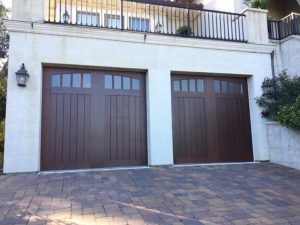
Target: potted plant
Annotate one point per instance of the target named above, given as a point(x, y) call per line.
point(184, 31)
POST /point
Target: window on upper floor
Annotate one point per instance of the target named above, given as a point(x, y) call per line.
point(112, 21)
point(139, 24)
point(88, 18)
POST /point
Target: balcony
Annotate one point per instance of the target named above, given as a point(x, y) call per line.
point(161, 17)
point(289, 25)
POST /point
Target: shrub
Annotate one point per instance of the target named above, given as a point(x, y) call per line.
point(184, 31)
point(283, 103)
point(289, 115)
point(287, 89)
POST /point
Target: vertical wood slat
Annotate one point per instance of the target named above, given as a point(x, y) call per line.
point(132, 127)
point(87, 128)
point(120, 128)
point(59, 129)
point(66, 127)
point(93, 127)
point(74, 127)
point(53, 113)
point(81, 128)
point(113, 131)
point(209, 126)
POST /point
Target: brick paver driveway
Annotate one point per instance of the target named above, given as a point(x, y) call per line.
point(231, 194)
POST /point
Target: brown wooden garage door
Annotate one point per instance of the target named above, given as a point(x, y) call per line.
point(93, 119)
point(210, 119)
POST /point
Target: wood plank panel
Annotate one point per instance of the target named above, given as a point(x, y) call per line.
point(87, 125)
point(211, 125)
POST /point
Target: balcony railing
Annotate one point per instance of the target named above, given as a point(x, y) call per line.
point(150, 16)
point(289, 25)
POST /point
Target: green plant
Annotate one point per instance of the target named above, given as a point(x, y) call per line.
point(184, 31)
point(259, 4)
point(2, 130)
point(281, 98)
point(289, 115)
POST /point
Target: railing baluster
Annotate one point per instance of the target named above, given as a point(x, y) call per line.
point(188, 23)
point(243, 33)
point(122, 19)
point(164, 17)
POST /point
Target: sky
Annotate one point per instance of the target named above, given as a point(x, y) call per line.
point(7, 3)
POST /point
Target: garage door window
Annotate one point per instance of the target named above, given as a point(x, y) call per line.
point(76, 80)
point(192, 85)
point(121, 83)
point(66, 80)
point(55, 81)
point(228, 87)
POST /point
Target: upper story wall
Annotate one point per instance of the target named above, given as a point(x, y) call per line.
point(229, 5)
point(290, 55)
point(251, 27)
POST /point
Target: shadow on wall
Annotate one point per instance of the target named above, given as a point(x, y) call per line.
point(279, 9)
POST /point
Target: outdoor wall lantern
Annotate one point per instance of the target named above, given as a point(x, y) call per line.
point(268, 86)
point(158, 27)
point(22, 76)
point(66, 17)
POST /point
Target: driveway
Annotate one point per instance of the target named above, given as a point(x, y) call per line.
point(232, 194)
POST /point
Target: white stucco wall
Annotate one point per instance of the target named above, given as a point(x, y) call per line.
point(225, 5)
point(160, 55)
point(290, 55)
point(284, 144)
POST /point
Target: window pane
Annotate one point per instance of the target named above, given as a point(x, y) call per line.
point(108, 81)
point(76, 81)
point(241, 89)
point(224, 87)
point(113, 21)
point(192, 84)
point(184, 85)
point(126, 83)
point(217, 85)
point(135, 84)
point(176, 85)
point(87, 18)
point(232, 87)
point(200, 85)
point(117, 82)
point(66, 80)
point(55, 82)
point(139, 24)
point(86, 82)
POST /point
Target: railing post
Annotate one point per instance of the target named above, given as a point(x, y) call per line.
point(189, 22)
point(122, 17)
point(257, 26)
point(293, 23)
point(279, 30)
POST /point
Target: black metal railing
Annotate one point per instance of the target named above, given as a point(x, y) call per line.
point(289, 25)
point(153, 16)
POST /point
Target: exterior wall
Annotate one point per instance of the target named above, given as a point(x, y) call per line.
point(284, 145)
point(159, 55)
point(236, 6)
point(290, 55)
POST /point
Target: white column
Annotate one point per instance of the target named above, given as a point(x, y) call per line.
point(257, 25)
point(159, 121)
point(258, 124)
point(29, 10)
